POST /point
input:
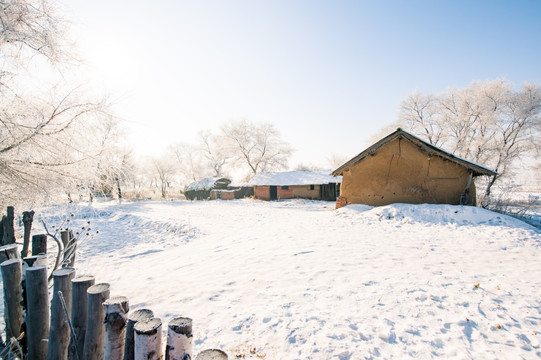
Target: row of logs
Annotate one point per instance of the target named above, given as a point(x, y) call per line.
point(84, 322)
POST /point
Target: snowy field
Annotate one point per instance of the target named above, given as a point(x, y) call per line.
point(301, 280)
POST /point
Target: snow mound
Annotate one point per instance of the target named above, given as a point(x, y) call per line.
point(437, 214)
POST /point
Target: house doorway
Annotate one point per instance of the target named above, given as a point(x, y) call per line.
point(273, 193)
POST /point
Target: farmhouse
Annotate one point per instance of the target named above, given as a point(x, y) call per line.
point(200, 190)
point(403, 168)
point(314, 185)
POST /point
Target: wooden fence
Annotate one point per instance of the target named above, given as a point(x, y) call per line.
point(81, 322)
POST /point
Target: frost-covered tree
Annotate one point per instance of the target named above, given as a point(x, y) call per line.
point(43, 123)
point(215, 151)
point(257, 147)
point(487, 122)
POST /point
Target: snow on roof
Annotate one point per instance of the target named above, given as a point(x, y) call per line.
point(300, 177)
point(203, 184)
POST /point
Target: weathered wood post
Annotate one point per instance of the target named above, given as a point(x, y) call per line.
point(95, 329)
point(7, 252)
point(79, 303)
point(39, 244)
point(116, 315)
point(37, 313)
point(59, 332)
point(70, 247)
point(133, 318)
point(28, 218)
point(212, 354)
point(9, 229)
point(13, 311)
point(179, 339)
point(148, 339)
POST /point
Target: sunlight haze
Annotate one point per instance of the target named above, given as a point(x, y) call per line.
point(328, 74)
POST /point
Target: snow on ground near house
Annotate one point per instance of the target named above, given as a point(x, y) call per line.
point(299, 280)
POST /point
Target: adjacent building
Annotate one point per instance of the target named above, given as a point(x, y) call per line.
point(401, 168)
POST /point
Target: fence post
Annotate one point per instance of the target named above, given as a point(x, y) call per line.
point(13, 312)
point(179, 339)
point(148, 339)
point(212, 354)
point(59, 333)
point(79, 287)
point(39, 244)
point(28, 218)
point(133, 318)
point(116, 313)
point(70, 246)
point(37, 314)
point(95, 329)
point(7, 252)
point(9, 230)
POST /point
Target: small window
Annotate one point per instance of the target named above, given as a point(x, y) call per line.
point(285, 187)
point(312, 187)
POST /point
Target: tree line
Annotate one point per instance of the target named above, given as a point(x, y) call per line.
point(58, 140)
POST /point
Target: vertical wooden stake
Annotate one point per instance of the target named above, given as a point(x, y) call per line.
point(79, 287)
point(116, 315)
point(95, 329)
point(212, 354)
point(59, 333)
point(39, 244)
point(37, 314)
point(148, 339)
point(13, 311)
point(179, 339)
point(133, 318)
point(9, 229)
point(28, 218)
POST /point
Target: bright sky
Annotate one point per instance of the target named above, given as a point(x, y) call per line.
point(328, 74)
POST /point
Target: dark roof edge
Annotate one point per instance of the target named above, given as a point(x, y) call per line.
point(423, 145)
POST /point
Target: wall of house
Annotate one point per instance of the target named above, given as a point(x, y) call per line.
point(303, 191)
point(262, 192)
point(399, 172)
point(296, 191)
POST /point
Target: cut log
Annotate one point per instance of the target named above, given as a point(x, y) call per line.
point(39, 244)
point(13, 311)
point(133, 318)
point(148, 339)
point(179, 339)
point(212, 354)
point(59, 332)
point(116, 315)
point(79, 287)
point(95, 329)
point(37, 314)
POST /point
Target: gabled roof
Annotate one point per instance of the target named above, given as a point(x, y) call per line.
point(292, 178)
point(422, 146)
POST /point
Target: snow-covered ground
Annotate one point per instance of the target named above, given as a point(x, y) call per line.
point(300, 280)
